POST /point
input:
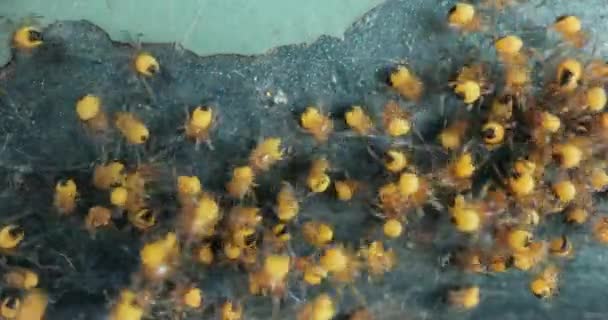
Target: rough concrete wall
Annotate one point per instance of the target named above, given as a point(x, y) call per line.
point(43, 141)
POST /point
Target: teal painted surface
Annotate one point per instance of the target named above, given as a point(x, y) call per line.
point(205, 26)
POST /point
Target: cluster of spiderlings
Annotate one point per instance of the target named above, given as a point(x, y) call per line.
point(21, 298)
point(555, 138)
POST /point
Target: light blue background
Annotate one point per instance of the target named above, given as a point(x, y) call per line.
point(205, 26)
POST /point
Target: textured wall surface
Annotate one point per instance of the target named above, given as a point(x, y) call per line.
point(43, 141)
